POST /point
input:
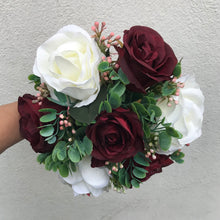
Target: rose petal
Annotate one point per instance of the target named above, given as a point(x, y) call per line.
point(95, 177)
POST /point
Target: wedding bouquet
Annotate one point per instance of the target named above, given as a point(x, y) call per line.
point(109, 112)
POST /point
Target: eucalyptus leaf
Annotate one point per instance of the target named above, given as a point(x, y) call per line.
point(140, 158)
point(104, 66)
point(123, 77)
point(168, 89)
point(48, 118)
point(118, 88)
point(86, 114)
point(47, 131)
point(47, 110)
point(139, 174)
point(156, 109)
point(41, 157)
point(63, 170)
point(74, 154)
point(115, 100)
point(135, 183)
point(164, 140)
point(61, 97)
point(174, 133)
point(88, 145)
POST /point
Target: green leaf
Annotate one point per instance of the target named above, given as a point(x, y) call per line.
point(168, 89)
point(113, 75)
point(146, 129)
point(59, 151)
point(74, 154)
point(48, 118)
point(41, 157)
point(156, 109)
point(48, 161)
point(47, 131)
point(139, 174)
point(123, 77)
point(80, 133)
point(52, 140)
point(87, 114)
point(115, 100)
point(140, 158)
point(104, 66)
point(88, 145)
point(135, 183)
point(140, 108)
point(57, 102)
point(177, 70)
point(141, 169)
point(127, 180)
point(63, 170)
point(179, 160)
point(164, 140)
point(61, 97)
point(121, 176)
point(47, 110)
point(174, 133)
point(118, 88)
point(34, 78)
point(105, 106)
point(73, 166)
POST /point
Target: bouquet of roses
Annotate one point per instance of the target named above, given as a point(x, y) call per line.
point(109, 112)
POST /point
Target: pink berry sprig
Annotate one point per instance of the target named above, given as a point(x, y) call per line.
point(104, 42)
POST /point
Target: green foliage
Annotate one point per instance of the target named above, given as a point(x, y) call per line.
point(63, 170)
point(123, 77)
point(35, 79)
point(164, 140)
point(168, 89)
point(177, 156)
point(47, 131)
point(105, 106)
point(118, 88)
point(135, 183)
point(41, 157)
point(140, 159)
point(59, 151)
point(73, 154)
point(177, 69)
point(174, 133)
point(104, 67)
point(49, 117)
point(115, 100)
point(139, 173)
point(86, 114)
point(61, 97)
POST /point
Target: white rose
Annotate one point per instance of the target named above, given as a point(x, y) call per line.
point(68, 62)
point(87, 179)
point(187, 116)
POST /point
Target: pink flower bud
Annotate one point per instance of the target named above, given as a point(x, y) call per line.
point(118, 37)
point(96, 24)
point(93, 28)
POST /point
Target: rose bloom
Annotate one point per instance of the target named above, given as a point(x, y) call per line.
point(88, 180)
point(30, 121)
point(115, 136)
point(187, 116)
point(68, 62)
point(156, 165)
point(145, 58)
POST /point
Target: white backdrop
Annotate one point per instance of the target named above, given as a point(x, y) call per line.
point(189, 191)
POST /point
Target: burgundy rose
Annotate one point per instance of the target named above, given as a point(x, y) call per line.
point(145, 58)
point(116, 136)
point(30, 121)
point(156, 165)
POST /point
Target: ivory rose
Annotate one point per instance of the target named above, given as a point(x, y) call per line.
point(187, 116)
point(88, 180)
point(68, 62)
